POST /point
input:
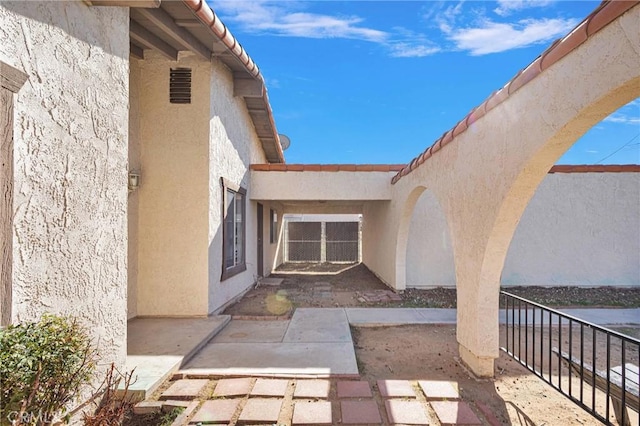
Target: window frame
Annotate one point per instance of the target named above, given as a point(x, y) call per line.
point(273, 226)
point(241, 267)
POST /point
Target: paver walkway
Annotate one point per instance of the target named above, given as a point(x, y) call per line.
point(250, 400)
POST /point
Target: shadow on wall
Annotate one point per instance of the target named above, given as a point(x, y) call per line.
point(429, 252)
point(104, 27)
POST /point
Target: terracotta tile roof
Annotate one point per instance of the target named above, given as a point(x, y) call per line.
point(604, 14)
point(596, 168)
point(327, 167)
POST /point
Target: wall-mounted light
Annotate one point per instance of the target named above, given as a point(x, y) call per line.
point(134, 181)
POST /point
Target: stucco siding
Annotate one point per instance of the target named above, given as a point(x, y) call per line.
point(579, 229)
point(70, 148)
point(233, 146)
point(173, 195)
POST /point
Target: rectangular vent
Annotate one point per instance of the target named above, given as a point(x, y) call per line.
point(180, 86)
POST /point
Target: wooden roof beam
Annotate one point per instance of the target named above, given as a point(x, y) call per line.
point(164, 21)
point(147, 39)
point(248, 87)
point(136, 51)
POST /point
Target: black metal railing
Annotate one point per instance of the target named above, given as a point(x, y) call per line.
point(589, 364)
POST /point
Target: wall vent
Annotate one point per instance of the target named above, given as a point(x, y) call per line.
point(180, 86)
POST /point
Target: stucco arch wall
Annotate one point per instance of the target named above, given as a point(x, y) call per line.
point(429, 255)
point(486, 177)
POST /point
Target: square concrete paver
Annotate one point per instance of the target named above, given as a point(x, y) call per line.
point(261, 410)
point(216, 411)
point(312, 413)
point(312, 389)
point(406, 412)
point(184, 389)
point(232, 387)
point(396, 389)
point(355, 412)
point(353, 389)
point(270, 387)
point(455, 413)
point(438, 389)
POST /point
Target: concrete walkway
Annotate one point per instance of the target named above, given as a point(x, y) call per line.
point(315, 342)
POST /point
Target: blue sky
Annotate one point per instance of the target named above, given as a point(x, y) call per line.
point(379, 81)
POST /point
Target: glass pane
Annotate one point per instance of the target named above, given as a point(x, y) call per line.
point(239, 228)
point(229, 230)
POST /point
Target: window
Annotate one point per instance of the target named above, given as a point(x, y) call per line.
point(233, 231)
point(273, 226)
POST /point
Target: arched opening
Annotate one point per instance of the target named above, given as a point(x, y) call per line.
point(429, 253)
point(403, 237)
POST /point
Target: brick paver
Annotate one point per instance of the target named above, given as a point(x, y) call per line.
point(353, 389)
point(488, 414)
point(356, 412)
point(232, 387)
point(261, 410)
point(216, 411)
point(436, 389)
point(312, 413)
point(312, 389)
point(406, 412)
point(396, 389)
point(455, 413)
point(270, 387)
point(184, 389)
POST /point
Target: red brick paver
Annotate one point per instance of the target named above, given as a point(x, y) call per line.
point(233, 387)
point(396, 388)
point(354, 389)
point(312, 413)
point(261, 410)
point(455, 413)
point(488, 414)
point(406, 412)
point(437, 389)
point(216, 411)
point(184, 389)
point(312, 389)
point(356, 412)
point(270, 387)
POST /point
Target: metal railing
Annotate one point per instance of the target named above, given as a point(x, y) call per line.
point(589, 364)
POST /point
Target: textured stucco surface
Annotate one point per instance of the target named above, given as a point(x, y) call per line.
point(70, 136)
point(313, 186)
point(579, 229)
point(134, 198)
point(173, 195)
point(233, 146)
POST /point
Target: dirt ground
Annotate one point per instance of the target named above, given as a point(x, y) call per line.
point(339, 285)
point(428, 352)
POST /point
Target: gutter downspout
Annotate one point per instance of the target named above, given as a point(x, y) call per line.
point(208, 17)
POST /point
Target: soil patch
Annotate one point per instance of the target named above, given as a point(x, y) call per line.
point(339, 285)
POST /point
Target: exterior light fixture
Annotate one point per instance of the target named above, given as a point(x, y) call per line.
point(134, 181)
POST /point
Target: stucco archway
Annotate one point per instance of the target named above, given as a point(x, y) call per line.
point(403, 237)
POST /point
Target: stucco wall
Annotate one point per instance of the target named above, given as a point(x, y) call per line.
point(233, 146)
point(173, 195)
point(70, 136)
point(134, 198)
point(579, 229)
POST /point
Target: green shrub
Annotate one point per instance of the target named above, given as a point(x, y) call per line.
point(43, 366)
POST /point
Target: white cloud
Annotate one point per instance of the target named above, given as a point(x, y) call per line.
point(286, 19)
point(506, 7)
point(494, 37)
point(406, 50)
point(620, 118)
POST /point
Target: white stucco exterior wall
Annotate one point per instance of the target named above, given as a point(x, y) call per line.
point(173, 195)
point(579, 229)
point(70, 153)
point(233, 146)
